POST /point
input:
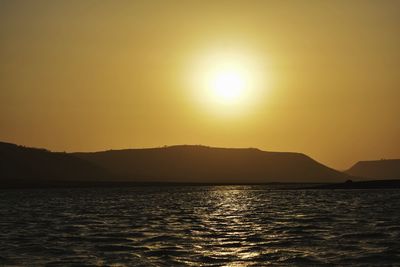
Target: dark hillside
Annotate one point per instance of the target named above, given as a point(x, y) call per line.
point(19, 165)
point(376, 169)
point(212, 165)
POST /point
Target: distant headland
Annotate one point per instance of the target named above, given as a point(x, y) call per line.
point(376, 169)
point(186, 164)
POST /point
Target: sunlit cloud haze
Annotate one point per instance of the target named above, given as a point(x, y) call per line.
point(317, 77)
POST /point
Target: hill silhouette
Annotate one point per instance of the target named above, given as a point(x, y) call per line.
point(29, 166)
point(187, 163)
point(376, 169)
point(22, 166)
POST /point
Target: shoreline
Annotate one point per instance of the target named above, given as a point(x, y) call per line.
point(369, 184)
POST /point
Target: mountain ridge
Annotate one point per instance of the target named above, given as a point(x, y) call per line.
point(20, 164)
point(172, 164)
point(376, 169)
point(213, 164)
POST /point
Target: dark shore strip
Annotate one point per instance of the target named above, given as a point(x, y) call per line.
point(373, 184)
point(89, 184)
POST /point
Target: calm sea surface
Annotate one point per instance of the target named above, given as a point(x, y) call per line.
point(199, 226)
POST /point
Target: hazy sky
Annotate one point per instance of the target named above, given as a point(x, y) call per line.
point(94, 75)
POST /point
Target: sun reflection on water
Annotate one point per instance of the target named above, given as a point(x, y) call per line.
point(200, 226)
point(233, 233)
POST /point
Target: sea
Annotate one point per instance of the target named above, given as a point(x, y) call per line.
point(199, 226)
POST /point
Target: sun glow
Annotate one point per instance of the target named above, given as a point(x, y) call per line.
point(227, 82)
point(228, 85)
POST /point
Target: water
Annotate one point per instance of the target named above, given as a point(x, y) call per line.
point(199, 226)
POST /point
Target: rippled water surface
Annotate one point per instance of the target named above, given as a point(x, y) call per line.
point(199, 226)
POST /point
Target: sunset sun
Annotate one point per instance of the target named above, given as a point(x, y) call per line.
point(227, 82)
point(228, 85)
point(229, 133)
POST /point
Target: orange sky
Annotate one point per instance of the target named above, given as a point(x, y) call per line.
point(94, 75)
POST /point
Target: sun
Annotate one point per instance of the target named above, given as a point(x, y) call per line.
point(227, 82)
point(228, 85)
